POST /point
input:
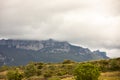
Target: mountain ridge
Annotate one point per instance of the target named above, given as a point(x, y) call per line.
point(45, 50)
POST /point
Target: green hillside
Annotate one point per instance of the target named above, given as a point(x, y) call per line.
point(109, 70)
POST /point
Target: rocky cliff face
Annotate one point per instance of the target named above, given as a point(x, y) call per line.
point(23, 44)
point(45, 50)
point(34, 45)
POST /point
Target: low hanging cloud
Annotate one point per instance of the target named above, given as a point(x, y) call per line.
point(90, 23)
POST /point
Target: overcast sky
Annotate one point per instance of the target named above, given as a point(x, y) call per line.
point(91, 23)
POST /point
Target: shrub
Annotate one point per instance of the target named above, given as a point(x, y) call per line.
point(40, 65)
point(47, 74)
point(61, 72)
point(14, 75)
point(68, 62)
point(86, 72)
point(4, 68)
point(114, 65)
point(38, 72)
point(30, 70)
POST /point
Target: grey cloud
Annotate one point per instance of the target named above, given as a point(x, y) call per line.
point(77, 21)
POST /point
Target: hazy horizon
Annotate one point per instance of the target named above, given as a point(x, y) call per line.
point(88, 23)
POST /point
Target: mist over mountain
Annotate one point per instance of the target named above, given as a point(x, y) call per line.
point(21, 52)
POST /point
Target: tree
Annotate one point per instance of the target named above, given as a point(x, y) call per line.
point(86, 71)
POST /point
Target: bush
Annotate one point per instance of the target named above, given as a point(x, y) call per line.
point(40, 65)
point(14, 75)
point(61, 72)
point(30, 70)
point(114, 65)
point(68, 62)
point(86, 72)
point(47, 74)
point(4, 68)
